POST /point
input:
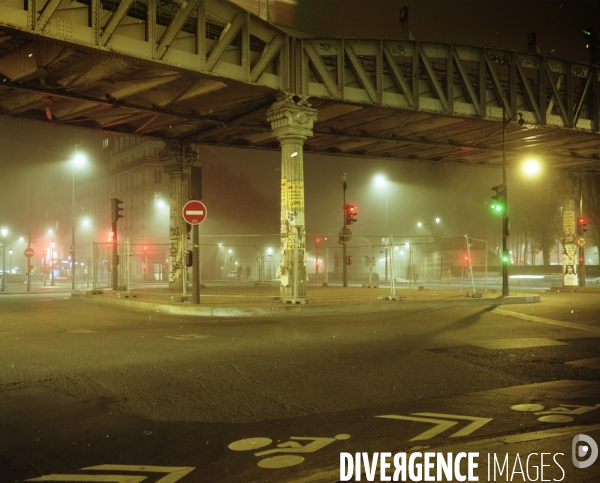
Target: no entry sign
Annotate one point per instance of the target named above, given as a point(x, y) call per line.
point(29, 252)
point(194, 212)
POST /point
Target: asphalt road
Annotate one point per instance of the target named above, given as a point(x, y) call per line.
point(84, 385)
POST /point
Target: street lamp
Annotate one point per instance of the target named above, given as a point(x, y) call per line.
point(78, 161)
point(4, 233)
point(52, 245)
point(505, 256)
point(382, 182)
point(531, 167)
point(9, 261)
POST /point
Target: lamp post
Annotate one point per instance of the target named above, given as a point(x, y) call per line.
point(4, 233)
point(382, 181)
point(52, 245)
point(505, 256)
point(78, 160)
point(9, 261)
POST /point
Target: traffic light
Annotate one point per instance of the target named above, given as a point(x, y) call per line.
point(189, 258)
point(115, 209)
point(581, 225)
point(350, 213)
point(505, 257)
point(349, 260)
point(318, 242)
point(499, 199)
point(592, 44)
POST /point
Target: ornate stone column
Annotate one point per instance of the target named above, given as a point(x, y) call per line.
point(176, 160)
point(292, 124)
point(567, 240)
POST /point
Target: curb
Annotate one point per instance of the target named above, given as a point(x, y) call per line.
point(207, 311)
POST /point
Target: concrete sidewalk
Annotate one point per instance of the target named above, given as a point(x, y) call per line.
point(249, 300)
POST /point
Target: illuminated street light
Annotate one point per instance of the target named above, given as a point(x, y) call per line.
point(531, 167)
point(78, 161)
point(382, 182)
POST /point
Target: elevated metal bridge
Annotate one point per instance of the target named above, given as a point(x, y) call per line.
point(206, 71)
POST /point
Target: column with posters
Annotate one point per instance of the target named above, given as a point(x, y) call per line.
point(292, 120)
point(569, 252)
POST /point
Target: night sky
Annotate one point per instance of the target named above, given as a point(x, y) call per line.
point(413, 193)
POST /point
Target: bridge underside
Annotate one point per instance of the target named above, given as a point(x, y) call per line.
point(207, 71)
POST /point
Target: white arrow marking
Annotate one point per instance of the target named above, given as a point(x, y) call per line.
point(111, 478)
point(442, 425)
point(430, 433)
point(194, 212)
point(474, 426)
point(175, 473)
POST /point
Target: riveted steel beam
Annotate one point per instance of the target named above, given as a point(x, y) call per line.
point(359, 72)
point(321, 70)
point(46, 14)
point(114, 21)
point(221, 45)
point(267, 56)
point(176, 25)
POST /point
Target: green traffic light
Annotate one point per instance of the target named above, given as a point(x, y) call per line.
point(505, 259)
point(585, 32)
point(498, 207)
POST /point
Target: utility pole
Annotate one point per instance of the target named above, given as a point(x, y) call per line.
point(580, 232)
point(115, 208)
point(29, 263)
point(344, 237)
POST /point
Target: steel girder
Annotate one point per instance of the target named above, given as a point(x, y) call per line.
point(207, 70)
point(450, 80)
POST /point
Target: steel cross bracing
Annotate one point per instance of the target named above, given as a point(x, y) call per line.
point(206, 71)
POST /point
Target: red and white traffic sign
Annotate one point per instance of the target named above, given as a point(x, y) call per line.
point(581, 241)
point(29, 252)
point(194, 212)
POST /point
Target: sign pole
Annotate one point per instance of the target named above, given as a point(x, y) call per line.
point(29, 263)
point(115, 258)
point(194, 213)
point(196, 263)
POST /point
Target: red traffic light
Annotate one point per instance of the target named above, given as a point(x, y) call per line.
point(350, 213)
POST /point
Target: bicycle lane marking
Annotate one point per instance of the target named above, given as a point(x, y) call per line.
point(543, 320)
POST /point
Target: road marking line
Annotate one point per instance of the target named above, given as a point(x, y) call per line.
point(474, 426)
point(175, 474)
point(331, 473)
point(543, 320)
point(107, 478)
point(441, 425)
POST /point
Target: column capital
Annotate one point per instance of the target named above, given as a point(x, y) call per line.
point(171, 156)
point(290, 119)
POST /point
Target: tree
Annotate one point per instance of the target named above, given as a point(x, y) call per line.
point(539, 206)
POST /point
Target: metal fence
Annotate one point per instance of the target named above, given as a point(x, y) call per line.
point(255, 258)
point(378, 260)
point(144, 262)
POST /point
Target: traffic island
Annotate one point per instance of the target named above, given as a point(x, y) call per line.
point(249, 301)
